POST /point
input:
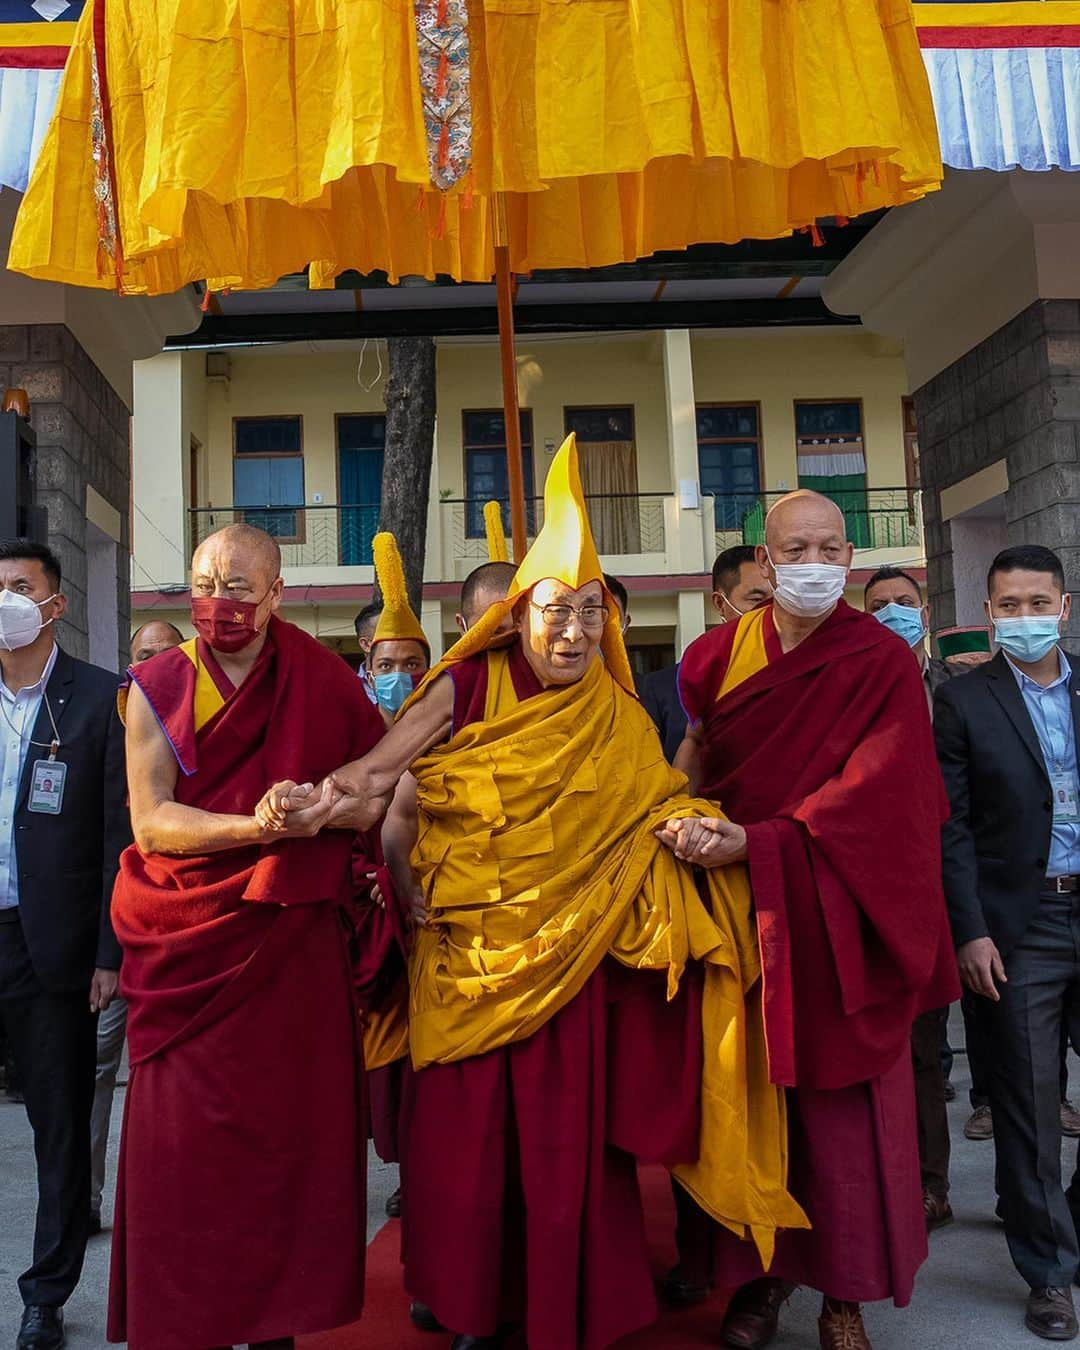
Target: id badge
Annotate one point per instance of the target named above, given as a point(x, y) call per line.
point(47, 787)
point(1066, 807)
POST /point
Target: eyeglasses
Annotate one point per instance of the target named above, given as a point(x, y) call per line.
point(561, 616)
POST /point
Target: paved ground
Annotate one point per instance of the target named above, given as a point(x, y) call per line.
point(968, 1293)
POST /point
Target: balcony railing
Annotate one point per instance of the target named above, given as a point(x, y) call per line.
point(340, 536)
point(623, 524)
point(310, 536)
point(877, 518)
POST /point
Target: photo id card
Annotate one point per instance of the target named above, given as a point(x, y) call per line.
point(47, 787)
point(1066, 807)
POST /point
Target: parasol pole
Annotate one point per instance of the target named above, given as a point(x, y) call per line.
point(508, 357)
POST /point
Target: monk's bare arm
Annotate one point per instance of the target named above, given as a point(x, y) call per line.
point(688, 759)
point(369, 783)
point(399, 834)
point(159, 822)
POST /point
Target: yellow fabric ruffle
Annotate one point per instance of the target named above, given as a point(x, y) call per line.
point(254, 137)
point(538, 858)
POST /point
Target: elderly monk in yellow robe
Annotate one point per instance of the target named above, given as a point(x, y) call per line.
point(560, 1025)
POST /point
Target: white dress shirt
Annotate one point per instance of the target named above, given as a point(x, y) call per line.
point(18, 714)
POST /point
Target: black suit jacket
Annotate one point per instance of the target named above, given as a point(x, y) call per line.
point(996, 845)
point(67, 863)
point(660, 699)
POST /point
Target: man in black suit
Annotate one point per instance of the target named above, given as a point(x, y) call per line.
point(1007, 743)
point(895, 598)
point(738, 587)
point(63, 824)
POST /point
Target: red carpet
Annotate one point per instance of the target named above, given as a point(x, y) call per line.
point(386, 1326)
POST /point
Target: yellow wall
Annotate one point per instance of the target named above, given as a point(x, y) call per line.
point(554, 375)
point(773, 370)
point(779, 367)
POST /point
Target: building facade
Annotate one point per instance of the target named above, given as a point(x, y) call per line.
point(685, 438)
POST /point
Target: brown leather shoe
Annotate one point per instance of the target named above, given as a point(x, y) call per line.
point(980, 1124)
point(937, 1209)
point(840, 1326)
point(1070, 1120)
point(753, 1313)
point(1051, 1315)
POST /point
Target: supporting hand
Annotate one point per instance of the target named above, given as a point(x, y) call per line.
point(980, 966)
point(706, 842)
point(103, 989)
point(272, 810)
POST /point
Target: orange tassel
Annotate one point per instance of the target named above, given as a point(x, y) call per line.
point(444, 145)
point(442, 79)
point(816, 236)
point(205, 304)
point(842, 221)
point(876, 167)
point(440, 14)
point(440, 226)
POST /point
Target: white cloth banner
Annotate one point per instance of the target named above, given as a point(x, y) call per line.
point(27, 98)
point(830, 466)
point(1007, 107)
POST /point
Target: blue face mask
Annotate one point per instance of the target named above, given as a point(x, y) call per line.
point(393, 689)
point(1029, 637)
point(903, 620)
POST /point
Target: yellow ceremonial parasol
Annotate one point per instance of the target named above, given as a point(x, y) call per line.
point(237, 143)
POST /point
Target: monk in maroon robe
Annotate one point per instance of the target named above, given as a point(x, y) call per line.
point(807, 726)
point(240, 1213)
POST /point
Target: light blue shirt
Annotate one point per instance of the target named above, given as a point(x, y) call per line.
point(1051, 714)
point(18, 714)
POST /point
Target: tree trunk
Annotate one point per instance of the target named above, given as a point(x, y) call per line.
point(410, 437)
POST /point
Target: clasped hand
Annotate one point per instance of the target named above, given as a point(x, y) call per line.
point(706, 842)
point(297, 810)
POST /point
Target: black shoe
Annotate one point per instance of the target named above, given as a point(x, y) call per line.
point(423, 1319)
point(95, 1222)
point(393, 1205)
point(465, 1342)
point(1050, 1314)
point(41, 1329)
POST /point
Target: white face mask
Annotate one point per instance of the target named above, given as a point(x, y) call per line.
point(20, 620)
point(809, 590)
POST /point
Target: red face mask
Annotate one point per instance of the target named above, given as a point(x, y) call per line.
point(227, 625)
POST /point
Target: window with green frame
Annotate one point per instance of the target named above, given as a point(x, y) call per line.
point(832, 459)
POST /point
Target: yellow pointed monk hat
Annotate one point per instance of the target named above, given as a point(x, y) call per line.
point(565, 551)
point(397, 619)
point(496, 536)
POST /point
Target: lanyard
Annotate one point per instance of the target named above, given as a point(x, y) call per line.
point(52, 746)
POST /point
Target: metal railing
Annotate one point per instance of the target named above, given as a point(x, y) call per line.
point(310, 536)
point(623, 524)
point(340, 536)
point(876, 518)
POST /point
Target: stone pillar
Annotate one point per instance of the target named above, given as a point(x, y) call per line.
point(685, 551)
point(82, 444)
point(999, 440)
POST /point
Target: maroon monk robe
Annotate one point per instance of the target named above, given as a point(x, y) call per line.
point(240, 1212)
point(520, 1194)
point(826, 756)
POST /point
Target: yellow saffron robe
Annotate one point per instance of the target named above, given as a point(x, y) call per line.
point(538, 857)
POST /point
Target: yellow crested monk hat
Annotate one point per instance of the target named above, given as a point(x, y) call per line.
point(397, 620)
point(496, 535)
point(565, 551)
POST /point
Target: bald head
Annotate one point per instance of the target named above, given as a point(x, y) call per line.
point(483, 587)
point(153, 637)
point(239, 550)
point(242, 565)
point(801, 511)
